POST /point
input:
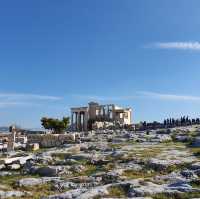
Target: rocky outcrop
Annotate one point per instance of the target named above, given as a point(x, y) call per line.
point(20, 160)
point(37, 181)
point(67, 195)
point(9, 194)
point(161, 165)
point(47, 171)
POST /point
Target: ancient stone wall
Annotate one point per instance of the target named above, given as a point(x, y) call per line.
point(51, 140)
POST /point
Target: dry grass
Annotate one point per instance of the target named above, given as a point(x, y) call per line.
point(116, 191)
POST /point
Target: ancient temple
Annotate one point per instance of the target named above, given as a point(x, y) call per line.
point(80, 116)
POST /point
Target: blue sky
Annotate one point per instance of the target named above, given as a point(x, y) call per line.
point(57, 54)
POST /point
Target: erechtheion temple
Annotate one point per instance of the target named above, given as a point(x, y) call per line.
point(80, 116)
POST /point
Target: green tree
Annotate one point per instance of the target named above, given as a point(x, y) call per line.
point(55, 125)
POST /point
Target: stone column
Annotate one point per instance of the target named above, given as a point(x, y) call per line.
point(104, 112)
point(113, 112)
point(11, 140)
point(82, 121)
point(79, 121)
point(108, 112)
point(85, 121)
point(72, 121)
point(76, 121)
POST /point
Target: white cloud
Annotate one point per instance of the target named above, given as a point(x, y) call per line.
point(21, 99)
point(171, 97)
point(177, 45)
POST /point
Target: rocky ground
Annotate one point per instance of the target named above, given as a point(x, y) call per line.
point(160, 164)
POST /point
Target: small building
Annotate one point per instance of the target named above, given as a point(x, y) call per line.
point(82, 117)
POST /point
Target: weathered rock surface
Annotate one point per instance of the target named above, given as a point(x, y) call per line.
point(160, 165)
point(36, 181)
point(9, 194)
point(47, 171)
point(21, 160)
point(108, 164)
point(14, 166)
point(67, 195)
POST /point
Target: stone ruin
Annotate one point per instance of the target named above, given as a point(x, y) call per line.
point(12, 140)
point(52, 140)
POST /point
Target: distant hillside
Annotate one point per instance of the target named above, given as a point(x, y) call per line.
point(4, 129)
point(27, 130)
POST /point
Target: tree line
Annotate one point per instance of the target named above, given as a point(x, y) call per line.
point(168, 123)
point(183, 121)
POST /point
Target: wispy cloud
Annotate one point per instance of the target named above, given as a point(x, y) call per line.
point(104, 98)
point(140, 95)
point(177, 45)
point(22, 99)
point(172, 97)
point(4, 104)
point(28, 96)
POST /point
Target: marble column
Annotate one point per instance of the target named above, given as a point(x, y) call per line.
point(72, 121)
point(85, 121)
point(104, 111)
point(76, 121)
point(79, 121)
